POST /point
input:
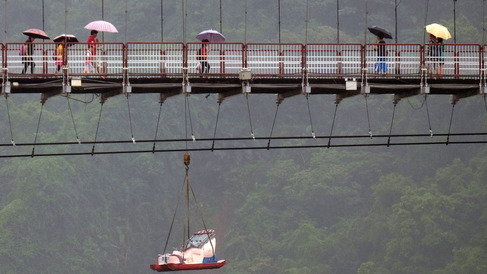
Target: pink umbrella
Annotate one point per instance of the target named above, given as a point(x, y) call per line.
point(211, 35)
point(36, 33)
point(101, 26)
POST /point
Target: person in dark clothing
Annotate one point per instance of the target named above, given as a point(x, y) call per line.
point(436, 54)
point(27, 59)
point(380, 47)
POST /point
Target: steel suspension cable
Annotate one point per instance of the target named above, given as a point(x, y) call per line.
point(272, 129)
point(37, 130)
point(10, 122)
point(97, 127)
point(428, 114)
point(157, 127)
point(72, 118)
point(190, 120)
point(216, 125)
point(368, 117)
point(310, 120)
point(425, 21)
point(130, 119)
point(248, 139)
point(250, 118)
point(248, 148)
point(392, 123)
point(449, 127)
point(332, 125)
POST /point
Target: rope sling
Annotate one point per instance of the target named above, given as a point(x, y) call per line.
point(188, 189)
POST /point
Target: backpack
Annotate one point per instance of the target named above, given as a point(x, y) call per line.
point(22, 50)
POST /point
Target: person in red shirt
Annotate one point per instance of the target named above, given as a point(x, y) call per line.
point(203, 57)
point(92, 41)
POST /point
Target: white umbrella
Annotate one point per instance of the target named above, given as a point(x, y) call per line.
point(213, 36)
point(101, 26)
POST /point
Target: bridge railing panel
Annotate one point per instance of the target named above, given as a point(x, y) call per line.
point(225, 59)
point(154, 59)
point(2, 48)
point(398, 59)
point(275, 60)
point(484, 61)
point(453, 60)
point(332, 60)
point(107, 62)
point(42, 59)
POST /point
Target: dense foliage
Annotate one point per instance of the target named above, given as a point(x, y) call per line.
point(406, 209)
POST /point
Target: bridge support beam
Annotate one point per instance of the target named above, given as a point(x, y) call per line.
point(399, 96)
point(340, 96)
point(282, 96)
point(456, 97)
point(164, 96)
point(231, 92)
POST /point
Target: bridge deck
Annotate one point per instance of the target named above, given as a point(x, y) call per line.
point(283, 69)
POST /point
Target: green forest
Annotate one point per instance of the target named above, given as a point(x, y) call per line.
point(397, 209)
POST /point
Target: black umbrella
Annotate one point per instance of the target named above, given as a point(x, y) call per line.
point(69, 38)
point(378, 31)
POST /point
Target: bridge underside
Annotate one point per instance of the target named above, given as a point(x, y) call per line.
point(225, 87)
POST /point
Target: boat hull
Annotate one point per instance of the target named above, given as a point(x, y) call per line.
point(177, 267)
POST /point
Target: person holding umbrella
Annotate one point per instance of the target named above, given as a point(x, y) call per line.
point(437, 34)
point(59, 55)
point(93, 41)
point(207, 36)
point(203, 57)
point(28, 47)
point(27, 59)
point(95, 27)
point(435, 52)
point(380, 48)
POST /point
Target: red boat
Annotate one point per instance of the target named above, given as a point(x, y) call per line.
point(199, 253)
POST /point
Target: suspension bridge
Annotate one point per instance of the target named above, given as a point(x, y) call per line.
point(283, 69)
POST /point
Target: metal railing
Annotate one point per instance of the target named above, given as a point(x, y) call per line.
point(154, 59)
point(330, 60)
point(265, 60)
point(399, 59)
